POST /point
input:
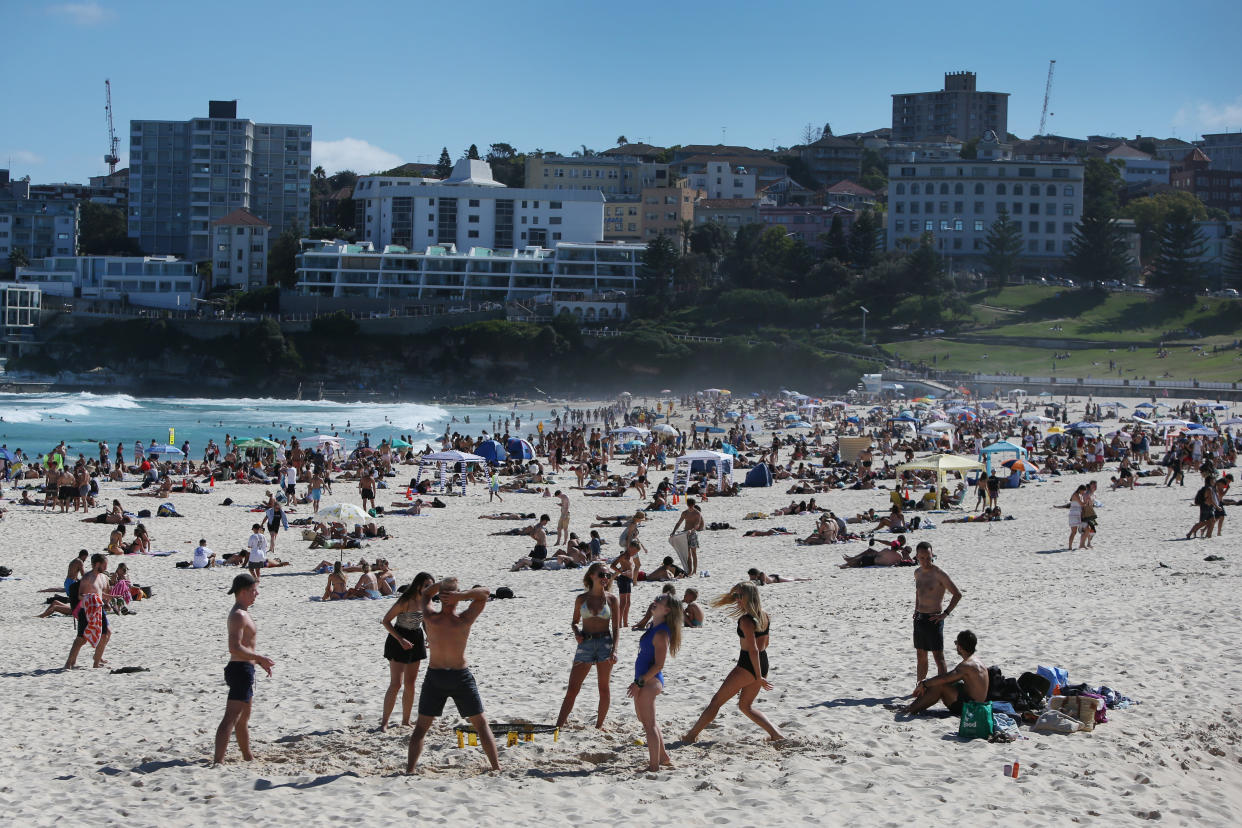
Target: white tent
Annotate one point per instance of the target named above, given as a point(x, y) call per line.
point(942, 465)
point(682, 466)
point(442, 460)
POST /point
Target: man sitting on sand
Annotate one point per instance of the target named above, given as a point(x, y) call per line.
point(666, 571)
point(968, 681)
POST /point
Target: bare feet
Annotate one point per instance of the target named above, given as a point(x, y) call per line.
point(690, 738)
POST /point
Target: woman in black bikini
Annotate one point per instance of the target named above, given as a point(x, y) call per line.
point(626, 566)
point(749, 675)
point(599, 612)
point(404, 647)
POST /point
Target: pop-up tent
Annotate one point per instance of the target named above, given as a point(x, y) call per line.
point(446, 462)
point(760, 475)
point(710, 463)
point(491, 451)
point(999, 452)
point(942, 465)
point(519, 448)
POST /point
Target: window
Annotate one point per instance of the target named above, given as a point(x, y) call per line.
point(914, 188)
point(1067, 210)
point(1067, 190)
point(1033, 245)
point(957, 243)
point(1000, 189)
point(944, 225)
point(978, 207)
point(914, 207)
point(474, 202)
point(899, 207)
point(431, 217)
point(957, 224)
point(1060, 173)
point(1033, 209)
point(1067, 228)
point(1050, 190)
point(1017, 208)
point(472, 234)
point(929, 225)
point(554, 205)
point(978, 225)
point(1032, 226)
point(554, 220)
point(944, 207)
point(899, 226)
point(900, 188)
point(907, 172)
point(944, 189)
point(1050, 227)
point(1017, 189)
point(929, 207)
point(1050, 246)
point(958, 206)
point(979, 189)
point(958, 188)
point(556, 237)
point(1026, 172)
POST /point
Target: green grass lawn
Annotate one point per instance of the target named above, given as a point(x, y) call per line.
point(1182, 363)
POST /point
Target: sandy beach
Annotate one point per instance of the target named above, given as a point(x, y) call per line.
point(1141, 612)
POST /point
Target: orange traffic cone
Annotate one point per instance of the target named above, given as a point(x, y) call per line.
point(211, 484)
point(408, 493)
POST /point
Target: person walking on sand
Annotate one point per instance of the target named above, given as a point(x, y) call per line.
point(448, 674)
point(239, 672)
point(366, 487)
point(661, 640)
point(493, 487)
point(750, 674)
point(562, 522)
point(692, 518)
point(276, 519)
point(404, 648)
point(258, 551)
point(930, 585)
point(89, 612)
point(626, 566)
point(599, 612)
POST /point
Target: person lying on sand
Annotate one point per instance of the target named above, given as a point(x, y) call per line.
point(763, 533)
point(666, 571)
point(508, 516)
point(762, 578)
point(896, 553)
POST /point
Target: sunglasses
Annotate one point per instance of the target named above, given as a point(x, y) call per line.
point(607, 576)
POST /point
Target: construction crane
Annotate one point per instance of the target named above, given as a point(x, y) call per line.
point(1043, 119)
point(112, 159)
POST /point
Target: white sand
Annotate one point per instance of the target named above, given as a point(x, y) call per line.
point(134, 748)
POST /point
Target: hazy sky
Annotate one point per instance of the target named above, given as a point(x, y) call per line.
point(387, 82)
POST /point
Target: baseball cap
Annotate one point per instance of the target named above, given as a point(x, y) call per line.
point(240, 582)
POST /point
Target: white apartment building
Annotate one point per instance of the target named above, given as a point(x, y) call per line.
point(471, 209)
point(721, 179)
point(146, 281)
point(571, 272)
point(239, 251)
point(958, 202)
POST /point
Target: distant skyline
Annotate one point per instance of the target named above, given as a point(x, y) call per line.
point(384, 83)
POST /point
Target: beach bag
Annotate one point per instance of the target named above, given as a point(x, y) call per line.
point(977, 721)
point(308, 534)
point(166, 510)
point(145, 513)
point(1053, 721)
point(1082, 708)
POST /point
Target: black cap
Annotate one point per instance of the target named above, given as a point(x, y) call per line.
point(242, 581)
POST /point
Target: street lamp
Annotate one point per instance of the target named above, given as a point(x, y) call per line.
point(864, 328)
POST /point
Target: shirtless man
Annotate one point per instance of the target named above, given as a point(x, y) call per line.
point(930, 585)
point(316, 490)
point(366, 487)
point(539, 532)
point(89, 612)
point(67, 491)
point(968, 681)
point(448, 674)
point(692, 518)
point(82, 488)
point(562, 523)
point(239, 674)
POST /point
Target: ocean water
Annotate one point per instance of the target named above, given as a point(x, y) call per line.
point(37, 422)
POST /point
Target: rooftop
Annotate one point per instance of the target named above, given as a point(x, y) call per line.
point(241, 217)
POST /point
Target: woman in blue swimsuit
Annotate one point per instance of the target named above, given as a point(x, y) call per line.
point(662, 639)
point(749, 675)
point(599, 613)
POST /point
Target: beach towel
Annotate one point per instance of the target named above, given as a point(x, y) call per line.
point(92, 605)
point(681, 545)
point(1057, 677)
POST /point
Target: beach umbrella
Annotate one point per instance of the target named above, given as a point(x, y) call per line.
point(798, 424)
point(491, 451)
point(171, 451)
point(1231, 421)
point(397, 442)
point(519, 448)
point(1032, 417)
point(321, 439)
point(635, 430)
point(968, 415)
point(1173, 422)
point(837, 404)
point(902, 418)
point(1147, 405)
point(939, 425)
point(1085, 425)
point(346, 513)
point(1201, 431)
point(1220, 407)
point(633, 445)
point(790, 416)
point(663, 428)
point(255, 442)
point(1020, 464)
point(1055, 430)
point(852, 419)
point(960, 410)
point(1006, 412)
point(5, 454)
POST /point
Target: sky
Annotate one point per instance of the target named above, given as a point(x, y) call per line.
point(383, 83)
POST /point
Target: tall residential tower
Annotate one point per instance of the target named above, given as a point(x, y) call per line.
point(957, 110)
point(183, 175)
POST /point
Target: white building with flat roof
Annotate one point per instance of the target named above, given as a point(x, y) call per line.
point(471, 209)
point(570, 272)
point(146, 281)
point(957, 202)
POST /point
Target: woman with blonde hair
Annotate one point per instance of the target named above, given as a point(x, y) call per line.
point(660, 641)
point(599, 612)
point(749, 675)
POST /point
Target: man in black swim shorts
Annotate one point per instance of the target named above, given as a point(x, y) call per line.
point(239, 673)
point(448, 675)
point(930, 585)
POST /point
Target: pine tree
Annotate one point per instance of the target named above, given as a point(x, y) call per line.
point(1233, 259)
point(473, 152)
point(862, 240)
point(1098, 250)
point(1179, 271)
point(444, 167)
point(1004, 246)
point(835, 244)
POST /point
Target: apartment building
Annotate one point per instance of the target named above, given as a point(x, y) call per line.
point(958, 109)
point(146, 281)
point(472, 209)
point(957, 203)
point(1225, 150)
point(36, 227)
point(183, 175)
point(612, 175)
point(806, 223)
point(239, 255)
point(1215, 188)
point(832, 159)
point(664, 211)
point(571, 272)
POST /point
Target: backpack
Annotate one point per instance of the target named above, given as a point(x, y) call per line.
point(977, 721)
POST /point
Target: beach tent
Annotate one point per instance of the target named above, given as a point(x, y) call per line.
point(519, 448)
point(630, 430)
point(663, 428)
point(705, 461)
point(850, 447)
point(443, 460)
point(1000, 451)
point(491, 451)
point(760, 475)
point(942, 465)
